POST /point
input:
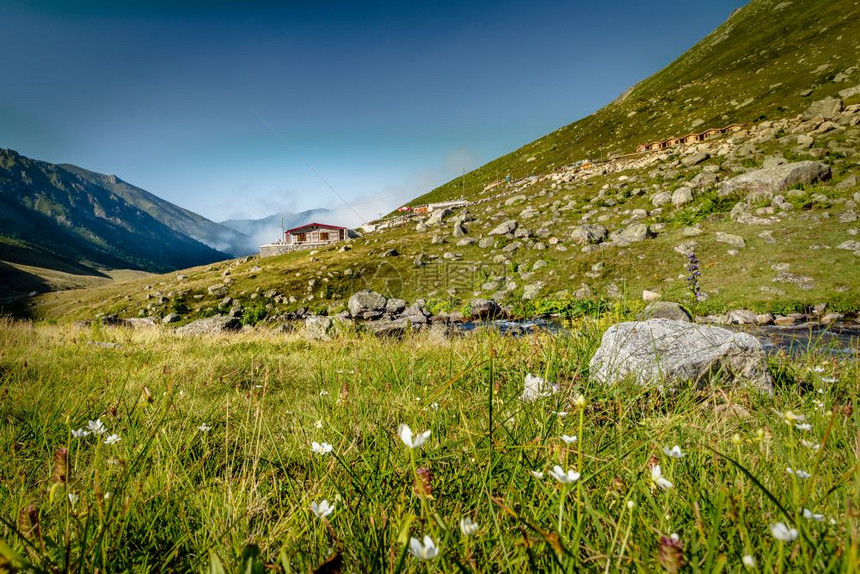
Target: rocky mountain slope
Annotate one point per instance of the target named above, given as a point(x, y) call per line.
point(64, 218)
point(769, 210)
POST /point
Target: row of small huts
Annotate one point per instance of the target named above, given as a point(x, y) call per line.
point(689, 138)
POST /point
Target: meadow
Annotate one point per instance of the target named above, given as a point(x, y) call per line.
point(138, 451)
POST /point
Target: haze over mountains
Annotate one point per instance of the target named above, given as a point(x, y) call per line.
point(268, 229)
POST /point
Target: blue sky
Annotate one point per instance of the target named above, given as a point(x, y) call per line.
point(209, 103)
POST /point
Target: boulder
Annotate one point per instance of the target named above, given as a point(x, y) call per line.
point(170, 318)
point(394, 328)
point(210, 326)
point(779, 178)
point(531, 291)
point(504, 228)
point(631, 234)
point(217, 290)
point(664, 310)
point(367, 304)
point(319, 327)
point(437, 217)
point(728, 238)
point(459, 230)
point(661, 198)
point(588, 233)
point(485, 308)
point(743, 317)
point(828, 108)
point(682, 196)
point(670, 353)
point(696, 158)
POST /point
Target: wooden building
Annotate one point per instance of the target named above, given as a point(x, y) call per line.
point(315, 234)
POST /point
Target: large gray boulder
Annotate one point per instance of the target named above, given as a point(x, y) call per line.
point(484, 308)
point(828, 108)
point(664, 310)
point(504, 228)
point(437, 217)
point(588, 233)
point(210, 326)
point(367, 304)
point(319, 327)
point(668, 353)
point(631, 234)
point(777, 178)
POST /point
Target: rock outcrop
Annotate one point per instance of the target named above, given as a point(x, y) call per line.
point(779, 178)
point(667, 353)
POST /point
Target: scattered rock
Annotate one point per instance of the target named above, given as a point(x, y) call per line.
point(504, 228)
point(650, 295)
point(170, 318)
point(367, 304)
point(210, 326)
point(664, 310)
point(733, 240)
point(828, 108)
point(319, 327)
point(682, 196)
point(665, 352)
point(696, 158)
point(535, 388)
point(778, 178)
point(588, 233)
point(484, 309)
point(531, 291)
point(743, 317)
point(631, 234)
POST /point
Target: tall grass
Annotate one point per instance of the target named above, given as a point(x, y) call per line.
point(214, 469)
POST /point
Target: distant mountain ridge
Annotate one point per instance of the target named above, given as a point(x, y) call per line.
point(90, 221)
point(269, 228)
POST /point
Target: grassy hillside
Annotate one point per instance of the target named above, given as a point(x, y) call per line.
point(751, 68)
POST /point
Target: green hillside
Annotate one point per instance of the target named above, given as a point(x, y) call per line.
point(751, 68)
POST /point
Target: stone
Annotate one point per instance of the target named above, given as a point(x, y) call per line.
point(803, 283)
point(742, 317)
point(531, 291)
point(847, 217)
point(848, 92)
point(764, 319)
point(696, 158)
point(466, 241)
point(484, 309)
point(631, 234)
point(486, 242)
point(650, 295)
point(395, 306)
point(729, 239)
point(805, 141)
point(421, 227)
point(210, 326)
point(831, 318)
point(828, 108)
point(141, 323)
point(504, 228)
point(217, 290)
point(662, 352)
point(784, 321)
point(437, 217)
point(319, 327)
point(691, 231)
point(661, 198)
point(394, 328)
point(366, 304)
point(459, 230)
point(776, 179)
point(664, 310)
point(170, 318)
point(686, 247)
point(583, 234)
point(682, 196)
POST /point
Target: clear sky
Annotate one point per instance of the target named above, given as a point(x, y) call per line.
point(209, 104)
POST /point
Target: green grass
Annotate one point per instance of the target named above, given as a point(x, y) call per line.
point(170, 497)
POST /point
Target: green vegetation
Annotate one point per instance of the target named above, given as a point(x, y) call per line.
point(213, 470)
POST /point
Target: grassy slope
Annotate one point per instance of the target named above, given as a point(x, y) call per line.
point(168, 496)
point(759, 57)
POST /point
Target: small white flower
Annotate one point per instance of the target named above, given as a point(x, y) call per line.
point(809, 515)
point(434, 406)
point(674, 452)
point(658, 479)
point(818, 369)
point(782, 532)
point(318, 424)
point(96, 426)
point(631, 504)
point(674, 537)
point(323, 393)
point(204, 428)
point(112, 439)
point(112, 461)
point(425, 551)
point(798, 473)
point(322, 509)
point(829, 379)
point(405, 434)
point(107, 495)
point(560, 414)
point(821, 391)
point(562, 476)
point(536, 473)
point(748, 560)
point(467, 526)
point(568, 439)
point(73, 498)
point(810, 444)
point(790, 418)
point(803, 426)
point(80, 433)
point(819, 404)
point(321, 448)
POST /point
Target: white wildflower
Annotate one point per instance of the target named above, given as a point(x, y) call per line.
point(803, 426)
point(748, 560)
point(425, 551)
point(112, 439)
point(562, 476)
point(568, 439)
point(80, 433)
point(536, 473)
point(321, 448)
point(809, 515)
point(658, 479)
point(405, 434)
point(674, 452)
point(204, 428)
point(322, 509)
point(798, 473)
point(782, 532)
point(468, 526)
point(96, 426)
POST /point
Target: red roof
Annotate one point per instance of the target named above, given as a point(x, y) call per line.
point(326, 225)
